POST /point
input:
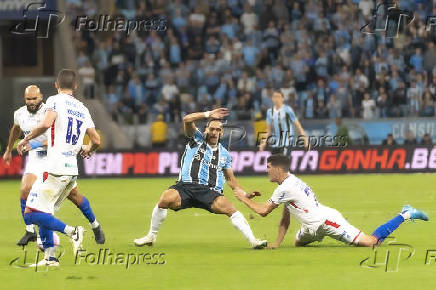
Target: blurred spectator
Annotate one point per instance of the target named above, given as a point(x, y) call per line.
point(389, 140)
point(343, 138)
point(309, 106)
point(334, 107)
point(87, 73)
point(159, 132)
point(242, 110)
point(410, 140)
point(426, 140)
point(368, 107)
point(428, 105)
point(219, 50)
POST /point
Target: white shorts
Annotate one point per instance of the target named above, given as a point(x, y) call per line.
point(49, 191)
point(36, 162)
point(334, 226)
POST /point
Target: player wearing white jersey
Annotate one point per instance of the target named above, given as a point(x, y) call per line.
point(317, 220)
point(68, 120)
point(25, 119)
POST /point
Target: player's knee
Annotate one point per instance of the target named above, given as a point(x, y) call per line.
point(367, 241)
point(223, 206)
point(75, 197)
point(168, 199)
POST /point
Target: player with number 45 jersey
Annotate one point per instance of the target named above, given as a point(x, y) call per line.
point(68, 120)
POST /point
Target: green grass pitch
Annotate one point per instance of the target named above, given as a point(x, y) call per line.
point(204, 251)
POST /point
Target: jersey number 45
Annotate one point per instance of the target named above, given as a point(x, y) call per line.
point(70, 137)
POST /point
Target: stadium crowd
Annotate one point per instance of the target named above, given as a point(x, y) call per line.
point(235, 53)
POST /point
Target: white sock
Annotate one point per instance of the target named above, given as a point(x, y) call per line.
point(94, 224)
point(30, 228)
point(49, 252)
point(239, 222)
point(406, 215)
point(69, 230)
point(157, 218)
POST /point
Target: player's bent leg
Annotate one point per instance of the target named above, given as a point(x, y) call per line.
point(26, 184)
point(170, 199)
point(48, 243)
point(221, 205)
point(83, 204)
point(49, 222)
point(408, 212)
point(305, 236)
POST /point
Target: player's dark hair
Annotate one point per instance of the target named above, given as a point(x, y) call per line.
point(66, 79)
point(280, 161)
point(211, 120)
point(278, 92)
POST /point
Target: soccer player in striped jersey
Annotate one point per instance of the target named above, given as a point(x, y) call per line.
point(205, 167)
point(281, 119)
point(317, 220)
point(25, 119)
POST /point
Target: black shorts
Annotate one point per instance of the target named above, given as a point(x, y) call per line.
point(196, 195)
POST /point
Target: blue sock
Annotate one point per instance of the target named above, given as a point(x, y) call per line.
point(46, 220)
point(85, 208)
point(46, 237)
point(383, 231)
point(23, 208)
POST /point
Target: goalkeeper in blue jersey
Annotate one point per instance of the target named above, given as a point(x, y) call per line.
point(205, 166)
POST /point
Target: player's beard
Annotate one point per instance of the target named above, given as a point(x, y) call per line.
point(34, 108)
point(208, 138)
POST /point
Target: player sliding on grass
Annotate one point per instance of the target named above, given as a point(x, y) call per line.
point(25, 119)
point(205, 164)
point(317, 220)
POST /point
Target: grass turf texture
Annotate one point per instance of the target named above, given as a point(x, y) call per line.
point(204, 251)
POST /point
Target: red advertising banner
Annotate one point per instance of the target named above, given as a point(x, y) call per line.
point(368, 159)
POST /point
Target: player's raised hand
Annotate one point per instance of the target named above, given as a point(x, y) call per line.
point(21, 148)
point(253, 194)
point(85, 152)
point(219, 113)
point(7, 156)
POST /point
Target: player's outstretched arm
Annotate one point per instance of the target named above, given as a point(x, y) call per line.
point(50, 117)
point(188, 120)
point(14, 133)
point(262, 209)
point(231, 180)
point(94, 143)
point(283, 228)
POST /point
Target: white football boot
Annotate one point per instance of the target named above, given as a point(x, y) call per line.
point(77, 239)
point(259, 244)
point(148, 240)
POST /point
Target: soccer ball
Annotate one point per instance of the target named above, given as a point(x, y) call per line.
point(56, 241)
